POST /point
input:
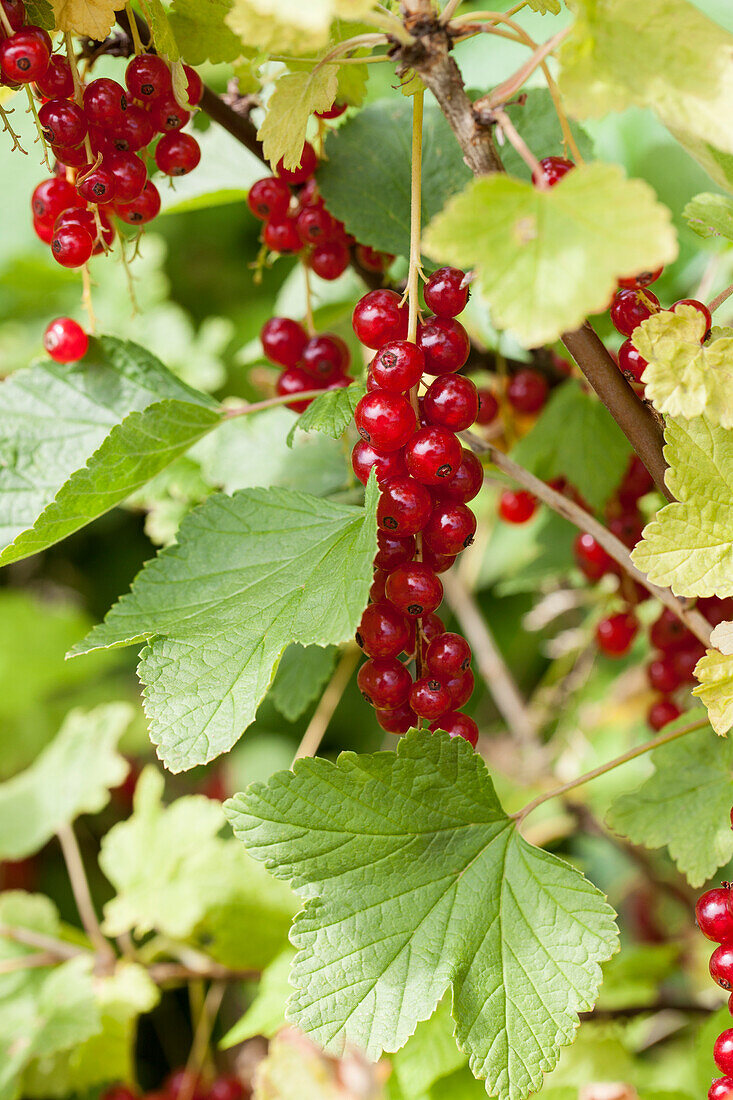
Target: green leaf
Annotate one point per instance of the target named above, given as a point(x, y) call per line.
point(575, 437)
point(612, 60)
point(684, 377)
point(266, 1015)
point(162, 31)
point(296, 97)
point(75, 440)
point(72, 776)
point(300, 677)
point(365, 181)
point(717, 164)
point(249, 574)
point(715, 672)
point(293, 28)
point(547, 258)
point(414, 878)
point(689, 543)
point(545, 6)
point(201, 33)
point(429, 1054)
point(710, 215)
point(536, 119)
point(684, 805)
point(331, 414)
point(39, 13)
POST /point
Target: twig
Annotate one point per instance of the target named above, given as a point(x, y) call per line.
point(504, 91)
point(134, 29)
point(330, 699)
point(201, 1037)
point(720, 298)
point(60, 949)
point(8, 129)
point(309, 323)
point(515, 139)
point(177, 972)
point(82, 896)
point(28, 962)
point(449, 10)
point(269, 403)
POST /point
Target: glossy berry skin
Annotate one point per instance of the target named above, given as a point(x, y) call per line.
point(432, 455)
point(293, 380)
point(444, 295)
point(552, 170)
point(142, 209)
point(130, 175)
point(628, 310)
point(57, 81)
point(631, 364)
point(397, 366)
point(627, 527)
point(451, 527)
point(460, 688)
point(167, 115)
point(517, 506)
point(386, 420)
point(488, 407)
point(527, 391)
point(63, 123)
point(439, 563)
point(591, 558)
point(414, 589)
point(700, 307)
point(379, 317)
point(325, 356)
point(457, 724)
point(65, 341)
point(24, 57)
point(148, 78)
point(662, 675)
point(283, 341)
point(14, 11)
point(329, 260)
point(685, 659)
point(467, 481)
point(429, 698)
point(306, 168)
point(71, 246)
point(383, 631)
point(177, 154)
point(86, 220)
point(721, 1089)
point(363, 457)
point(714, 916)
point(721, 967)
point(397, 721)
point(384, 682)
point(105, 103)
point(393, 550)
point(334, 111)
point(43, 230)
point(371, 259)
point(638, 282)
point(51, 197)
point(448, 655)
point(451, 401)
point(194, 86)
point(280, 235)
point(98, 186)
point(615, 634)
point(444, 343)
point(723, 1049)
point(404, 506)
point(269, 198)
point(314, 224)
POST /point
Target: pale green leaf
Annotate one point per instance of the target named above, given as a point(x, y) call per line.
point(544, 6)
point(689, 543)
point(266, 1015)
point(296, 97)
point(717, 163)
point(546, 258)
point(414, 879)
point(710, 215)
point(290, 26)
point(332, 413)
point(715, 672)
point(163, 37)
point(684, 806)
point(201, 32)
point(300, 678)
point(429, 1054)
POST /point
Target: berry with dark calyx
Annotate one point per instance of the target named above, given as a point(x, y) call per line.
point(167, 115)
point(638, 282)
point(615, 634)
point(63, 123)
point(661, 712)
point(404, 506)
point(97, 186)
point(386, 420)
point(451, 527)
point(393, 550)
point(329, 260)
point(194, 86)
point(314, 224)
point(448, 655)
point(148, 78)
point(662, 675)
point(378, 317)
point(467, 480)
point(383, 631)
point(334, 111)
point(721, 1089)
point(721, 966)
point(363, 457)
point(57, 81)
point(51, 197)
point(397, 366)
point(488, 407)
point(293, 380)
point(460, 688)
point(71, 246)
point(631, 364)
point(135, 133)
point(723, 1051)
point(325, 356)
point(517, 506)
point(269, 198)
point(701, 308)
point(551, 171)
point(457, 724)
point(429, 698)
point(105, 103)
point(280, 235)
point(591, 558)
point(384, 682)
point(667, 632)
point(130, 175)
point(306, 168)
point(444, 343)
point(373, 260)
point(397, 721)
point(631, 307)
point(444, 293)
point(85, 219)
point(24, 57)
point(14, 11)
point(432, 456)
point(142, 209)
point(452, 402)
point(177, 154)
point(65, 340)
point(414, 589)
point(714, 916)
point(283, 341)
point(527, 391)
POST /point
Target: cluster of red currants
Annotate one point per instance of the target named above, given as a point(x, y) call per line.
point(426, 479)
point(310, 363)
point(714, 912)
point(184, 1085)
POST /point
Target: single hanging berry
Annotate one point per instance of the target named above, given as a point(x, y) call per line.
point(65, 340)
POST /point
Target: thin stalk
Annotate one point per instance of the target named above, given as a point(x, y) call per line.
point(8, 129)
point(5, 22)
point(29, 962)
point(357, 42)
point(33, 110)
point(82, 895)
point(60, 949)
point(268, 403)
point(720, 298)
point(309, 322)
point(202, 1036)
point(520, 145)
point(449, 11)
point(87, 298)
point(326, 708)
point(134, 30)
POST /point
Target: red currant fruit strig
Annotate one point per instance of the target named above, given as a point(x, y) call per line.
point(714, 916)
point(451, 402)
point(24, 57)
point(63, 123)
point(293, 380)
point(404, 506)
point(386, 420)
point(379, 317)
point(283, 341)
point(65, 341)
point(306, 168)
point(517, 506)
point(551, 171)
point(629, 309)
point(615, 634)
point(142, 209)
point(444, 294)
point(363, 457)
point(451, 528)
point(129, 174)
point(467, 481)
point(384, 682)
point(383, 631)
point(457, 724)
point(433, 455)
point(148, 78)
point(631, 364)
point(527, 391)
point(177, 154)
point(448, 655)
point(71, 246)
point(269, 198)
point(444, 343)
point(429, 698)
point(329, 260)
point(414, 589)
point(723, 1049)
point(105, 103)
point(397, 366)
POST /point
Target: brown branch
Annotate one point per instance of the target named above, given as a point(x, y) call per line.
point(662, 1004)
point(41, 960)
point(82, 896)
point(60, 949)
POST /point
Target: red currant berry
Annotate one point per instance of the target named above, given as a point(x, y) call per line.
point(527, 391)
point(638, 282)
point(386, 420)
point(444, 343)
point(685, 659)
point(314, 224)
point(517, 506)
point(376, 591)
point(97, 186)
point(194, 86)
point(65, 341)
point(24, 57)
point(451, 402)
point(460, 688)
point(363, 457)
point(723, 1048)
point(325, 356)
point(383, 631)
point(439, 563)
point(134, 133)
point(393, 550)
point(118, 1092)
point(283, 341)
point(488, 407)
point(130, 175)
point(631, 364)
point(15, 14)
point(269, 198)
point(71, 246)
point(105, 103)
point(715, 609)
point(659, 714)
point(662, 675)
point(404, 506)
point(384, 682)
point(306, 168)
point(280, 235)
point(142, 209)
point(63, 123)
point(667, 632)
point(637, 483)
point(293, 380)
point(399, 720)
point(721, 1089)
point(43, 230)
point(626, 527)
point(51, 197)
point(451, 527)
point(721, 965)
point(448, 655)
point(379, 317)
point(551, 171)
point(329, 260)
point(457, 724)
point(429, 698)
point(414, 589)
point(615, 634)
point(397, 366)
point(467, 481)
point(591, 558)
point(148, 78)
point(86, 220)
point(701, 308)
point(444, 293)
point(629, 309)
point(57, 81)
point(177, 154)
point(432, 455)
point(373, 260)
point(334, 111)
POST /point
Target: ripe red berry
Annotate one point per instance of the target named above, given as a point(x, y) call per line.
point(65, 341)
point(51, 197)
point(636, 483)
point(627, 527)
point(452, 402)
point(386, 420)
point(384, 682)
point(439, 563)
point(451, 527)
point(105, 103)
point(142, 209)
point(397, 366)
point(379, 317)
point(721, 1089)
point(14, 11)
point(194, 86)
point(71, 246)
point(715, 609)
point(414, 589)
point(488, 407)
point(280, 235)
point(399, 720)
point(57, 81)
point(130, 175)
point(444, 343)
point(177, 154)
point(87, 221)
point(644, 278)
point(363, 457)
point(148, 78)
point(685, 658)
point(293, 380)
point(701, 308)
point(457, 724)
point(371, 259)
point(660, 713)
point(631, 364)
point(551, 171)
point(467, 481)
point(314, 224)
point(167, 115)
point(714, 916)
point(383, 631)
point(662, 675)
point(325, 356)
point(667, 632)
point(63, 123)
point(444, 294)
point(517, 506)
point(329, 260)
point(629, 309)
point(615, 634)
point(43, 230)
point(448, 655)
point(24, 57)
point(118, 1092)
point(527, 391)
point(404, 506)
point(283, 341)
point(723, 1048)
point(592, 559)
point(433, 455)
point(182, 1083)
point(393, 550)
point(334, 111)
point(429, 698)
point(97, 186)
point(269, 198)
point(306, 168)
point(460, 688)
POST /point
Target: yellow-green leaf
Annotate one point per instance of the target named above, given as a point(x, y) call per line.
point(94, 18)
point(715, 673)
point(295, 98)
point(291, 26)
